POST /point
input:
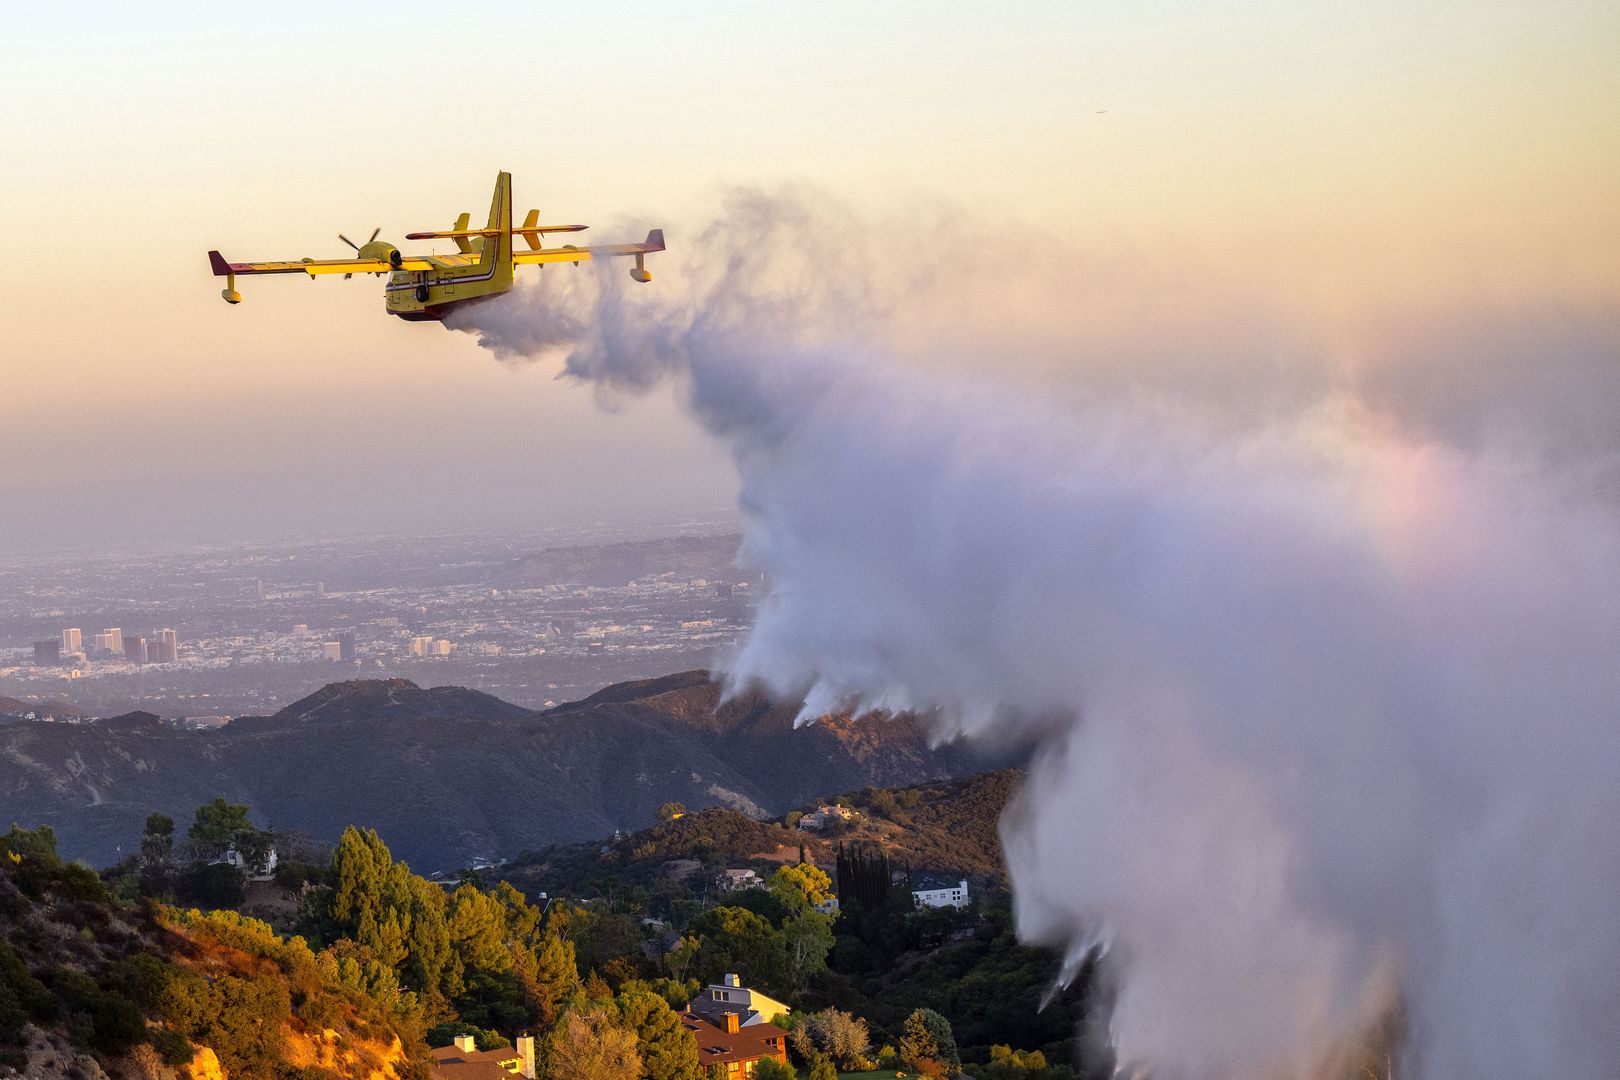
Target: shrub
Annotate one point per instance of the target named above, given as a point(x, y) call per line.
point(28, 992)
point(174, 1048)
point(211, 885)
point(78, 882)
point(104, 1020)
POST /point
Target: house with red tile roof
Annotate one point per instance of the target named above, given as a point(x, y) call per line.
point(726, 1041)
point(462, 1060)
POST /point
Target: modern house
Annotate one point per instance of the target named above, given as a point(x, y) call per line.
point(731, 997)
point(462, 1060)
point(726, 1041)
point(932, 890)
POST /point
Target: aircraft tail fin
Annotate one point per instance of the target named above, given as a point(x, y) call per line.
point(498, 247)
point(463, 245)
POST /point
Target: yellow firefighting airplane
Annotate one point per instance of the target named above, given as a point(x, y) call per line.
point(428, 287)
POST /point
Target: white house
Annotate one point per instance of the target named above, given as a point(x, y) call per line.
point(931, 891)
point(732, 880)
point(826, 815)
point(264, 871)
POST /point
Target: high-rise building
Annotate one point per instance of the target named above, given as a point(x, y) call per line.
point(346, 645)
point(442, 647)
point(258, 589)
point(48, 652)
point(102, 644)
point(135, 650)
point(72, 641)
point(115, 639)
point(168, 647)
point(331, 650)
point(320, 589)
point(421, 646)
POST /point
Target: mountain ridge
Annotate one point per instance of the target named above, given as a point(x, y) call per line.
point(450, 774)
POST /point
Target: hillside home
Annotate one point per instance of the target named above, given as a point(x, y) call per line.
point(731, 997)
point(826, 815)
point(727, 1042)
point(264, 871)
point(732, 880)
point(462, 1060)
point(931, 890)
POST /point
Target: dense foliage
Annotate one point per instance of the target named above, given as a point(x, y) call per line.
point(384, 951)
point(100, 977)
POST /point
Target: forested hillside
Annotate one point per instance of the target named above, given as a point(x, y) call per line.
point(89, 985)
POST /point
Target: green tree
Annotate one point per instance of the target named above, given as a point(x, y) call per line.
point(671, 811)
point(478, 930)
point(801, 886)
point(808, 938)
point(602, 936)
point(734, 939)
point(216, 826)
point(383, 932)
point(430, 965)
point(157, 841)
point(553, 979)
point(668, 1051)
point(927, 1036)
point(361, 865)
point(524, 922)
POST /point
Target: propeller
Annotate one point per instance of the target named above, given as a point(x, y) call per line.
point(356, 246)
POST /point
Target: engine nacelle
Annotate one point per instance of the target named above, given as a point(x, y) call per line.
point(382, 251)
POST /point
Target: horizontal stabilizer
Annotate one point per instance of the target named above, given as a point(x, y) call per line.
point(519, 231)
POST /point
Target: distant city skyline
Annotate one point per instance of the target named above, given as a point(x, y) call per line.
point(535, 623)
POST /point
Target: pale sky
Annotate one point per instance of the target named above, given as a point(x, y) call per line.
point(1350, 157)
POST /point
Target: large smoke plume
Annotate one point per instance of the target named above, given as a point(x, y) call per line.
point(1321, 659)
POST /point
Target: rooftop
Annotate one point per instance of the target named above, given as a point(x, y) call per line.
point(716, 1044)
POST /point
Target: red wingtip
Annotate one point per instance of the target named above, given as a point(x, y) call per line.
point(220, 266)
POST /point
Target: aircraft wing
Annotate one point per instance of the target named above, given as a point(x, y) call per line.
point(315, 266)
point(654, 242)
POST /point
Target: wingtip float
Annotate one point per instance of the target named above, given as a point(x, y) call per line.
point(429, 287)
